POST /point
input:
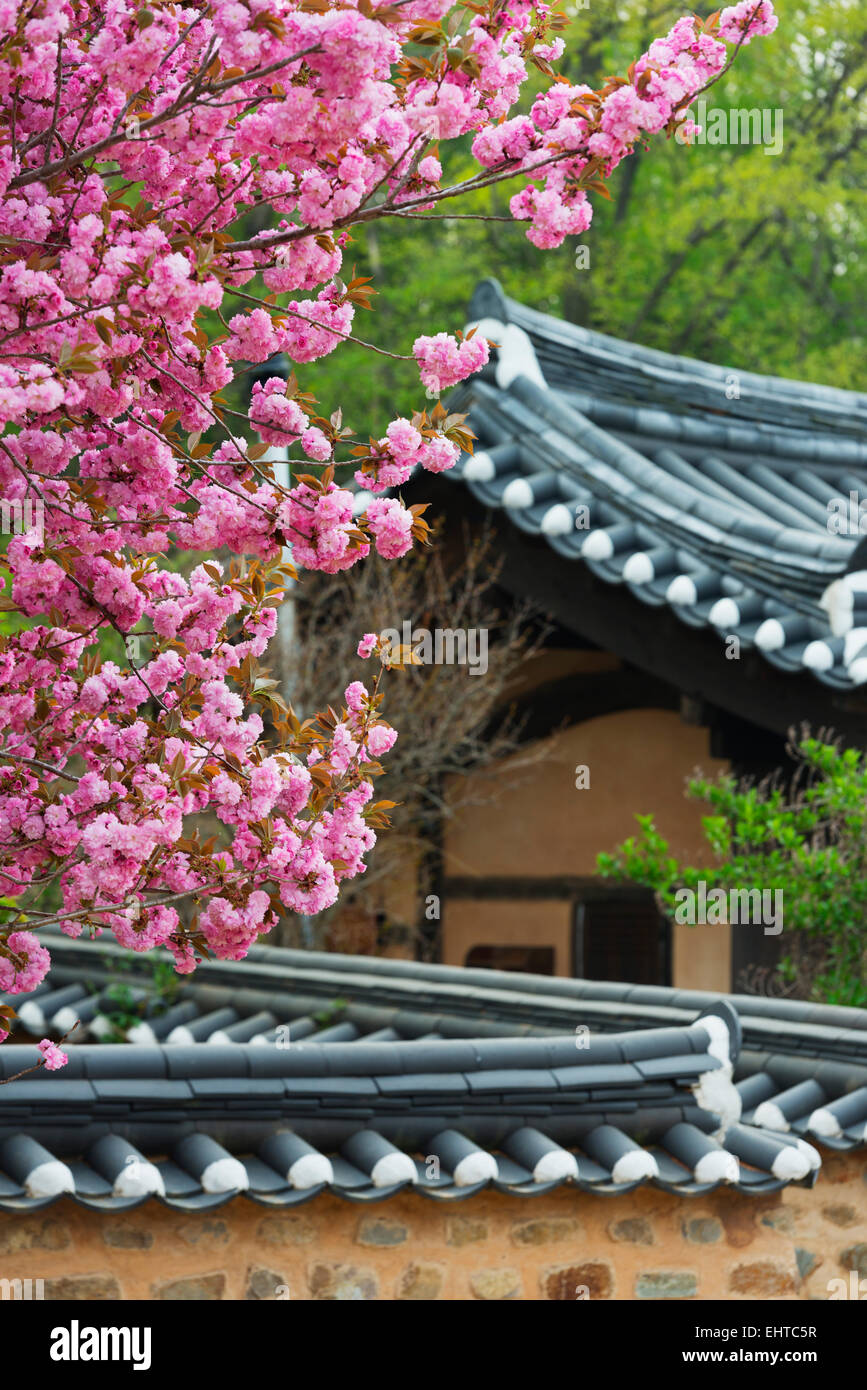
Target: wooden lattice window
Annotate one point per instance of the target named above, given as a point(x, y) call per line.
point(621, 935)
point(533, 960)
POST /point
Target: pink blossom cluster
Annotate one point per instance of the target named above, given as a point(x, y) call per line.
point(747, 20)
point(403, 449)
point(391, 525)
point(132, 699)
point(25, 965)
point(444, 361)
point(53, 1057)
point(320, 527)
point(664, 82)
point(280, 420)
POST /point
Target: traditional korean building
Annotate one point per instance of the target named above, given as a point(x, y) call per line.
point(694, 534)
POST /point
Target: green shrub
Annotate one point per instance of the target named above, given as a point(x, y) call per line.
point(806, 837)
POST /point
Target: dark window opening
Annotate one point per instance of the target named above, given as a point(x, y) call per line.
point(622, 936)
point(532, 960)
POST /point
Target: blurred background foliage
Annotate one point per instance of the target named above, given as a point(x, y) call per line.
point(724, 252)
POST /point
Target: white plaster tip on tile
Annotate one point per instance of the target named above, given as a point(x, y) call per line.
point(516, 357)
point(557, 521)
point(771, 636)
point(791, 1164)
point(479, 468)
point(225, 1175)
point(392, 1169)
point(718, 1166)
point(220, 1038)
point(518, 495)
point(638, 569)
point(813, 1157)
point(682, 591)
point(719, 1038)
point(100, 1026)
point(139, 1178)
point(824, 1124)
point(490, 328)
point(180, 1037)
point(555, 1166)
point(854, 643)
point(818, 656)
point(725, 613)
point(478, 1166)
point(49, 1179)
point(259, 1040)
point(857, 671)
point(64, 1019)
point(716, 1092)
point(769, 1116)
point(31, 1016)
point(310, 1170)
point(597, 546)
point(142, 1035)
point(838, 603)
point(635, 1165)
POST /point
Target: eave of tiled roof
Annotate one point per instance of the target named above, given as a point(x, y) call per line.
point(480, 1069)
point(713, 507)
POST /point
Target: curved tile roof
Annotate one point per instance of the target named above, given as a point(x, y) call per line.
point(699, 488)
point(295, 1072)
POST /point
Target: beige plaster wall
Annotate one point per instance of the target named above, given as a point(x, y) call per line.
point(539, 824)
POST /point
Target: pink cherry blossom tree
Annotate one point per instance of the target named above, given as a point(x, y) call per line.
point(135, 136)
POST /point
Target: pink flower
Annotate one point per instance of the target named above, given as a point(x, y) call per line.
point(444, 361)
point(355, 694)
point(391, 525)
point(28, 969)
point(380, 739)
point(53, 1056)
point(734, 22)
point(438, 454)
point(367, 644)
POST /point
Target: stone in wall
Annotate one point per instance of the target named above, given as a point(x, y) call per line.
point(465, 1230)
point(379, 1230)
point(421, 1280)
point(47, 1234)
point(840, 1214)
point(495, 1284)
point(125, 1236)
point(663, 1283)
point(631, 1230)
point(568, 1282)
point(545, 1230)
point(855, 1258)
point(265, 1285)
point(763, 1279)
point(195, 1288)
point(206, 1231)
point(87, 1287)
point(342, 1282)
point(702, 1230)
point(286, 1230)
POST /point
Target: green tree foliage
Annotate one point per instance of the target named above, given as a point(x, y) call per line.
point(808, 839)
point(719, 251)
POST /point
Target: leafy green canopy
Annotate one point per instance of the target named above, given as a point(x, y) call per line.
point(719, 251)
